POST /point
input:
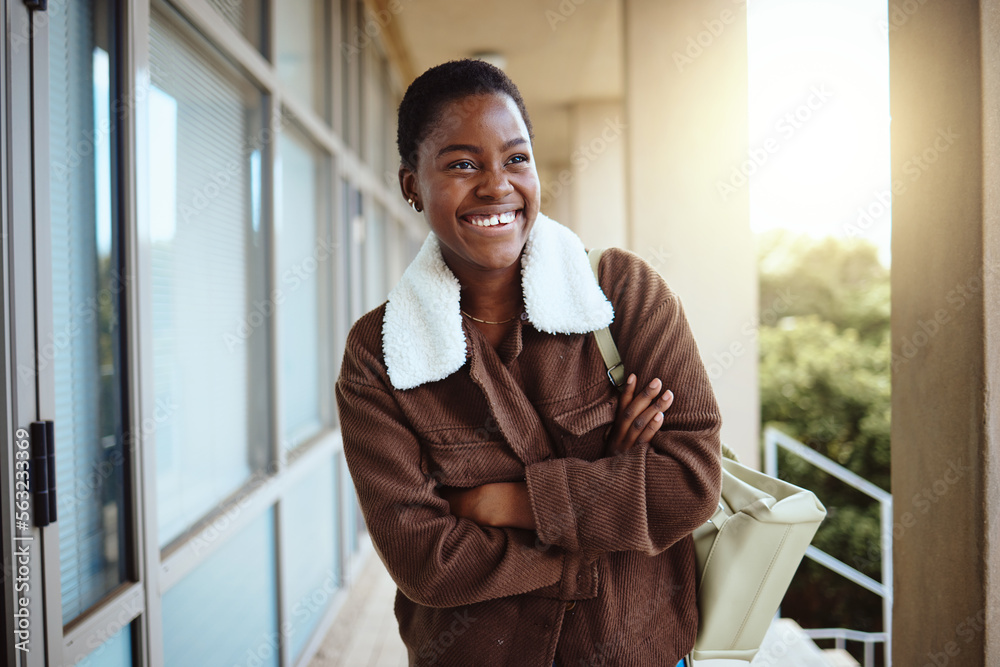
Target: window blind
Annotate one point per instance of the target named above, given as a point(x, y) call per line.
point(85, 323)
point(206, 276)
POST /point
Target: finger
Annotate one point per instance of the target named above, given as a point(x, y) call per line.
point(640, 402)
point(649, 420)
point(623, 402)
point(625, 427)
point(627, 394)
point(656, 405)
point(665, 401)
point(653, 424)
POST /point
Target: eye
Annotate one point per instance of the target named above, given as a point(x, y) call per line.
point(517, 159)
point(461, 164)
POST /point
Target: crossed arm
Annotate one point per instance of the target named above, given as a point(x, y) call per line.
point(507, 505)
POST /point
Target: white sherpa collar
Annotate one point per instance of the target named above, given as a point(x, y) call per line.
point(422, 335)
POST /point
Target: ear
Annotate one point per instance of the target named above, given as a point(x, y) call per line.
point(408, 186)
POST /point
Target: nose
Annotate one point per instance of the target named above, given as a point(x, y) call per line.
point(494, 185)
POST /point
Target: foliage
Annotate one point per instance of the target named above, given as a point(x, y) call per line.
point(830, 390)
point(840, 281)
point(825, 380)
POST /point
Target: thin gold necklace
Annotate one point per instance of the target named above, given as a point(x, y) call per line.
point(487, 321)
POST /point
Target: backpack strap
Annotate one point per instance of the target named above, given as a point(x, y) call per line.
point(605, 343)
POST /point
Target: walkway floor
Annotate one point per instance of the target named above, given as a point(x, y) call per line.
point(365, 633)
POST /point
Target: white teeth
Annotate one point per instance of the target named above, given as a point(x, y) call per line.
point(492, 220)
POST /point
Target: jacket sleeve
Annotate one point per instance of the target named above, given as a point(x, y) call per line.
point(435, 558)
point(651, 496)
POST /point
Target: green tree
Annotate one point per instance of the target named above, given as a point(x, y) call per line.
point(825, 380)
point(841, 281)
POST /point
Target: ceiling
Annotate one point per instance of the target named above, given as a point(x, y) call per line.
point(557, 52)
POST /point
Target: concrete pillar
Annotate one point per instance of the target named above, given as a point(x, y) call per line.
point(686, 111)
point(597, 161)
point(945, 102)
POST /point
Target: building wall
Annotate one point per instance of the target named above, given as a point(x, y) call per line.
point(945, 103)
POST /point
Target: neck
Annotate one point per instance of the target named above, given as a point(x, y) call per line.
point(493, 295)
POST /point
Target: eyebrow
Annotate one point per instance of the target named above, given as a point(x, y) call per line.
point(469, 148)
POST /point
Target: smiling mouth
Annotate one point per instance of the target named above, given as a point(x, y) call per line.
point(492, 220)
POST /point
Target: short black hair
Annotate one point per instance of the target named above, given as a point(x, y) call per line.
point(440, 85)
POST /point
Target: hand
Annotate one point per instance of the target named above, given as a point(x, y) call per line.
point(639, 416)
point(501, 505)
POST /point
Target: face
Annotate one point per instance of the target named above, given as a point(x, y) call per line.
point(476, 183)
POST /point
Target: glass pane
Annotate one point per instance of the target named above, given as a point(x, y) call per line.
point(115, 652)
point(375, 259)
point(390, 154)
point(397, 258)
point(361, 122)
point(244, 15)
point(354, 230)
point(226, 611)
point(352, 522)
point(311, 556)
point(379, 112)
point(86, 291)
point(305, 252)
point(353, 41)
point(300, 52)
point(209, 311)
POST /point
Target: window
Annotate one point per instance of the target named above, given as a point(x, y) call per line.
point(354, 238)
point(305, 249)
point(209, 311)
point(353, 41)
point(87, 283)
point(226, 611)
point(376, 259)
point(115, 652)
point(247, 16)
point(301, 54)
point(312, 564)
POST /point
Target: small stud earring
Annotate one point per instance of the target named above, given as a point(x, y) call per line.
point(413, 205)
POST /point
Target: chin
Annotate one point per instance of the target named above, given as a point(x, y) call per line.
point(502, 257)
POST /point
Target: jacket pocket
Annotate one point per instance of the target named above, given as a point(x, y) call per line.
point(584, 428)
point(464, 457)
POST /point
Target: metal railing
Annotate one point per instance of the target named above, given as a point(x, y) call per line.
point(773, 439)
point(842, 635)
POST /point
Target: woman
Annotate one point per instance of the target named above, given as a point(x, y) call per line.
point(528, 512)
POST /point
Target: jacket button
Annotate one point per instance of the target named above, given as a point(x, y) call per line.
point(570, 605)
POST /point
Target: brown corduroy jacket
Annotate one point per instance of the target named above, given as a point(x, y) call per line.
point(609, 576)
